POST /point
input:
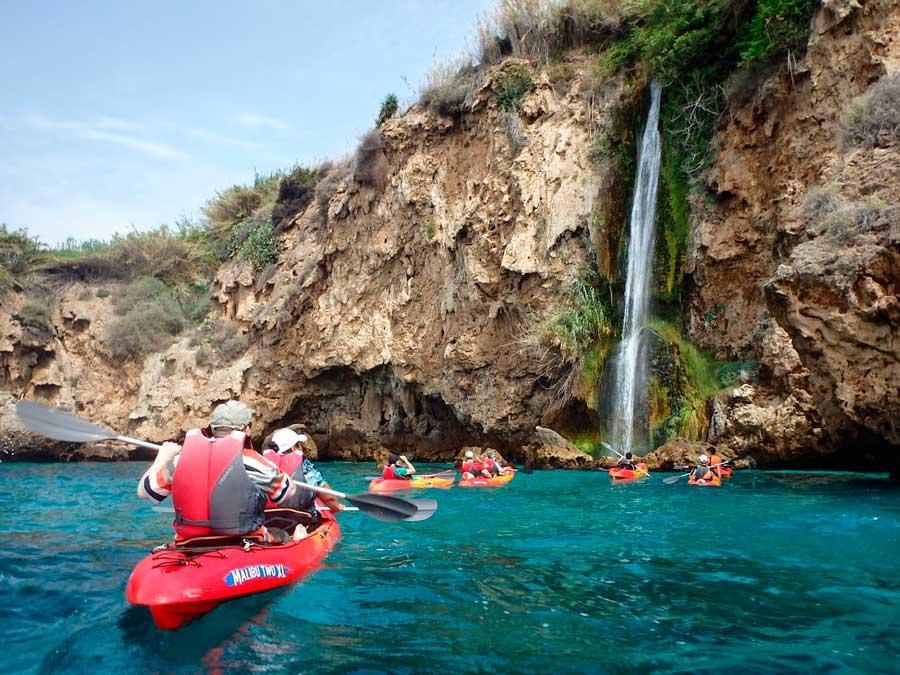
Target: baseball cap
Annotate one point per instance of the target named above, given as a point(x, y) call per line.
point(286, 439)
point(231, 415)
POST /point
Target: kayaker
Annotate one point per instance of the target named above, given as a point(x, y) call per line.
point(715, 464)
point(211, 498)
point(702, 472)
point(286, 452)
point(473, 467)
point(398, 468)
point(492, 464)
point(627, 462)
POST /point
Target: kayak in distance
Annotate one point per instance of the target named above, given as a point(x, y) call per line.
point(438, 480)
point(712, 482)
point(493, 481)
point(179, 583)
point(622, 475)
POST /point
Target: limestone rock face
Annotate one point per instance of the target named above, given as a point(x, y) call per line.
point(549, 450)
point(677, 453)
point(814, 298)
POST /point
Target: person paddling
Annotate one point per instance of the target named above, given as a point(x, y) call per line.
point(218, 483)
point(398, 468)
point(715, 464)
point(702, 471)
point(492, 464)
point(286, 452)
point(627, 462)
point(473, 467)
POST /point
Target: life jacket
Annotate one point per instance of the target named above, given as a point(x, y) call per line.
point(389, 474)
point(291, 463)
point(468, 466)
point(211, 491)
point(713, 460)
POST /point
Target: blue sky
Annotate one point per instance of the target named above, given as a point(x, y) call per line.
point(119, 114)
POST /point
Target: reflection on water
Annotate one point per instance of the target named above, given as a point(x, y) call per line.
point(558, 571)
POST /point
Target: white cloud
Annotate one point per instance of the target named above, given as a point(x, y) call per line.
point(97, 132)
point(254, 121)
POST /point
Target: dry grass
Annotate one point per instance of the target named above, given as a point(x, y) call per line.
point(874, 119)
point(449, 88)
point(538, 30)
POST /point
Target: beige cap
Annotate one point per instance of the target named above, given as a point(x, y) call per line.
point(232, 415)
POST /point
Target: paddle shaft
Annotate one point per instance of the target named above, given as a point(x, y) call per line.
point(677, 478)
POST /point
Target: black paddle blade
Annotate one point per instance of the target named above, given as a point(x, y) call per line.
point(384, 507)
point(425, 509)
point(59, 425)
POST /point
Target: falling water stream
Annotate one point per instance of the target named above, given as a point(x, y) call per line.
point(631, 363)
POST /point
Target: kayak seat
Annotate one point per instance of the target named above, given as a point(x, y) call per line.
point(288, 519)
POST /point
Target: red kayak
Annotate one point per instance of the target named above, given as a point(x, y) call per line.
point(181, 583)
point(620, 475)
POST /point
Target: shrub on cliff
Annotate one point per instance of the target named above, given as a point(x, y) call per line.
point(448, 89)
point(335, 175)
point(777, 27)
point(511, 84)
point(389, 107)
point(143, 329)
point(36, 318)
point(257, 242)
point(219, 342)
point(369, 163)
point(874, 119)
point(20, 255)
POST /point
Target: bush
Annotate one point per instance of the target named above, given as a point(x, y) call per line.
point(389, 108)
point(220, 341)
point(334, 176)
point(874, 120)
point(738, 371)
point(448, 89)
point(369, 163)
point(295, 192)
point(102, 293)
point(256, 242)
point(20, 255)
point(145, 328)
point(512, 84)
point(777, 26)
point(36, 314)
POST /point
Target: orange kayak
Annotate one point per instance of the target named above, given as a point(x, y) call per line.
point(494, 481)
point(416, 483)
point(726, 472)
point(714, 482)
point(619, 475)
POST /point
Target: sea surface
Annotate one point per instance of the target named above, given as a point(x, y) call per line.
point(556, 572)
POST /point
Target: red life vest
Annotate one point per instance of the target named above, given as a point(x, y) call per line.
point(389, 473)
point(211, 491)
point(468, 466)
point(290, 463)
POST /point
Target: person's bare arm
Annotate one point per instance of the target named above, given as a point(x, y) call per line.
point(158, 473)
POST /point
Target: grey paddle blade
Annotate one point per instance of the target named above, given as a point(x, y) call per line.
point(58, 425)
point(383, 507)
point(425, 509)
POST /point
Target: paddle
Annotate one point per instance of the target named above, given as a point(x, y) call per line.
point(62, 426)
point(440, 474)
point(426, 509)
point(621, 456)
point(674, 479)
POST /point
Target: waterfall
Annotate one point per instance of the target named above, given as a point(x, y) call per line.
point(631, 362)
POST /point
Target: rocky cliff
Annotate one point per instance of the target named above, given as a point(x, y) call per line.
point(401, 309)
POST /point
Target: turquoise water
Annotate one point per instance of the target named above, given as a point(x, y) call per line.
point(559, 571)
